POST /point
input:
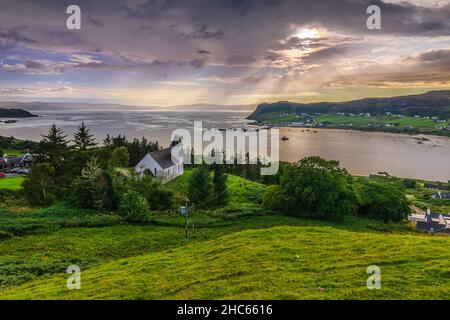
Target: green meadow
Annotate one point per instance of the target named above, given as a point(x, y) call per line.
point(240, 251)
point(13, 183)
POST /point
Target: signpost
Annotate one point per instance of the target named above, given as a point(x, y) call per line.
point(185, 213)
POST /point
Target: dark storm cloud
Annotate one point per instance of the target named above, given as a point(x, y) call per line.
point(328, 54)
point(198, 31)
point(435, 56)
point(10, 38)
point(202, 51)
point(240, 59)
point(230, 41)
point(95, 22)
point(256, 25)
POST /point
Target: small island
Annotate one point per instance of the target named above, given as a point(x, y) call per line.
point(15, 113)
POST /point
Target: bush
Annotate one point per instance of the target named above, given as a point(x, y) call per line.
point(133, 207)
point(314, 188)
point(120, 157)
point(409, 183)
point(97, 189)
point(157, 196)
point(384, 201)
point(273, 198)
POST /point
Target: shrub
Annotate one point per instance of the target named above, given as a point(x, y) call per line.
point(409, 183)
point(384, 201)
point(97, 189)
point(273, 198)
point(157, 196)
point(120, 157)
point(314, 188)
point(133, 207)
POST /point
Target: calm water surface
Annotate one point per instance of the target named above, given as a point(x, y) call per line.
point(362, 153)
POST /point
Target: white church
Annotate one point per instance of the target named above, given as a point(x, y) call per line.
point(165, 164)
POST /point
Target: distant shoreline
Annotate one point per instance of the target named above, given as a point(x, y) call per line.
point(410, 133)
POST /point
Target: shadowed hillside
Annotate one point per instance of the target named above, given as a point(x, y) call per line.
point(433, 103)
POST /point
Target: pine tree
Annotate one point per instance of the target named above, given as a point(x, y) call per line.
point(220, 185)
point(53, 147)
point(83, 139)
point(107, 142)
point(200, 188)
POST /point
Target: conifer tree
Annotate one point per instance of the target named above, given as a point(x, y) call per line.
point(83, 139)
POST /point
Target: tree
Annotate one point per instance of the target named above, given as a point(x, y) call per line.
point(157, 196)
point(98, 189)
point(200, 188)
point(220, 185)
point(384, 201)
point(83, 139)
point(314, 188)
point(1, 152)
point(119, 157)
point(86, 193)
point(409, 183)
point(107, 142)
point(39, 188)
point(273, 198)
point(133, 207)
point(53, 148)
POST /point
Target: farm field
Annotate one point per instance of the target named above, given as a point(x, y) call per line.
point(400, 123)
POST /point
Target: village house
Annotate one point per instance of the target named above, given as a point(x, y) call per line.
point(435, 186)
point(431, 222)
point(442, 195)
point(165, 164)
point(8, 163)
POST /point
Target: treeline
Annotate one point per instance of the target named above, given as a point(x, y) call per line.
point(433, 103)
point(319, 188)
point(86, 175)
point(11, 143)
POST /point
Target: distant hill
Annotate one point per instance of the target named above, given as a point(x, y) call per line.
point(114, 106)
point(432, 103)
point(15, 113)
point(213, 107)
point(69, 106)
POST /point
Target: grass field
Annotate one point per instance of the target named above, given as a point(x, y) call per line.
point(375, 122)
point(283, 262)
point(13, 183)
point(240, 251)
point(398, 123)
point(11, 152)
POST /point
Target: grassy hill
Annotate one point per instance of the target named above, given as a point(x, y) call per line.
point(286, 262)
point(433, 103)
point(239, 251)
point(240, 190)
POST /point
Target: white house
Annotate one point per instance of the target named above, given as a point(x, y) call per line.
point(165, 164)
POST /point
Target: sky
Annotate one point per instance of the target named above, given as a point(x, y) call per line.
point(180, 52)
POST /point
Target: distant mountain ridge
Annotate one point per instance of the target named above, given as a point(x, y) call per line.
point(38, 105)
point(432, 103)
point(15, 113)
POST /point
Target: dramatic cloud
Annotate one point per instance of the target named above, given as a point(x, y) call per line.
point(231, 51)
